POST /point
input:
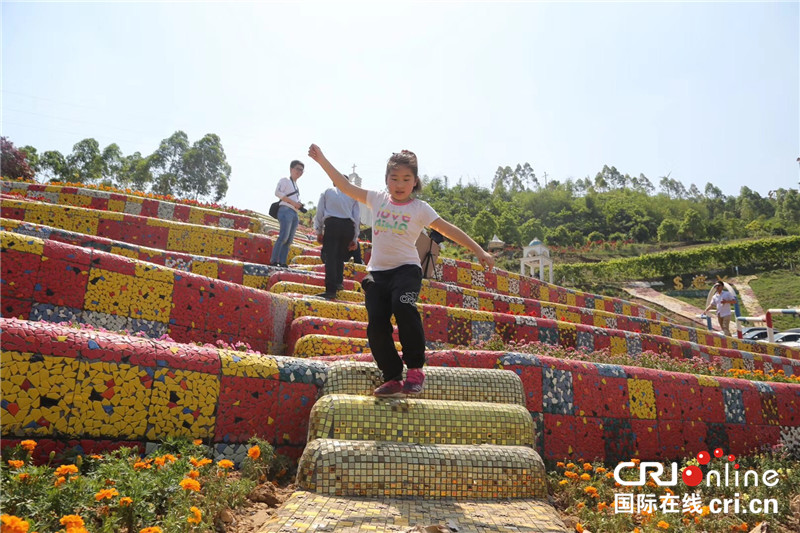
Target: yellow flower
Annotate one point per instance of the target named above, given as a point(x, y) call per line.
point(587, 466)
point(29, 445)
point(563, 482)
point(71, 521)
point(125, 501)
point(106, 494)
point(663, 525)
point(570, 465)
point(65, 470)
point(13, 524)
point(590, 490)
point(586, 477)
point(600, 470)
point(254, 453)
point(225, 463)
point(196, 517)
point(16, 464)
point(190, 484)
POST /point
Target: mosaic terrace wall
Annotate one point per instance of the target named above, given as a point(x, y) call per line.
point(64, 386)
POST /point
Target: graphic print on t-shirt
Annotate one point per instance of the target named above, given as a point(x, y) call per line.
point(390, 218)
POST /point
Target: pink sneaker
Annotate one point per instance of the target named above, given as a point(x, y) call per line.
point(390, 389)
point(415, 381)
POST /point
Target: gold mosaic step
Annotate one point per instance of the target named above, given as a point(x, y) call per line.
point(349, 417)
point(305, 512)
point(315, 345)
point(302, 288)
point(441, 383)
point(431, 471)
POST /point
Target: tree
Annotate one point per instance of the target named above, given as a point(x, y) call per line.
point(85, 163)
point(167, 164)
point(112, 164)
point(206, 172)
point(531, 229)
point(484, 226)
point(508, 228)
point(692, 227)
point(53, 166)
point(32, 157)
point(668, 230)
point(13, 162)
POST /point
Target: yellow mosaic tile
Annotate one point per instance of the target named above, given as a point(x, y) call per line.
point(257, 282)
point(124, 252)
point(206, 268)
point(350, 417)
point(642, 398)
point(315, 345)
point(245, 364)
point(21, 243)
point(303, 288)
point(707, 381)
point(182, 403)
point(618, 346)
point(53, 383)
point(400, 470)
point(441, 383)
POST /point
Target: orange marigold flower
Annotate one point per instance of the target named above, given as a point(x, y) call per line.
point(169, 457)
point(13, 463)
point(560, 464)
point(200, 463)
point(705, 511)
point(586, 477)
point(65, 470)
point(571, 475)
point(153, 529)
point(742, 527)
point(637, 530)
point(579, 527)
point(125, 501)
point(139, 465)
point(225, 463)
point(601, 506)
point(570, 465)
point(190, 484)
point(159, 461)
point(651, 484)
point(587, 466)
point(95, 456)
point(71, 521)
point(610, 475)
point(580, 505)
point(636, 461)
point(60, 481)
point(254, 453)
point(590, 490)
point(24, 477)
point(28, 445)
point(106, 494)
point(196, 517)
point(13, 524)
point(198, 442)
point(662, 525)
point(194, 474)
point(563, 482)
point(600, 470)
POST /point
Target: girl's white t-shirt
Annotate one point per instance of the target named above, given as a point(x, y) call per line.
point(395, 228)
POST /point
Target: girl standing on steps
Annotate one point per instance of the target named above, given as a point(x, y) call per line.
point(394, 275)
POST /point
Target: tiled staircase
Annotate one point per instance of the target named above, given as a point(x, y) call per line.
point(443, 458)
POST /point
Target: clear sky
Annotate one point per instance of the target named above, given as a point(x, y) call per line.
point(707, 92)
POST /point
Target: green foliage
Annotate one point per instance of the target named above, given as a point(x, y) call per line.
point(778, 289)
point(774, 252)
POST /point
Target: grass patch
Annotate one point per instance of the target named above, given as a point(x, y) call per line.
point(779, 289)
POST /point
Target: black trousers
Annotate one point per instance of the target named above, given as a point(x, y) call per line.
point(395, 292)
point(338, 235)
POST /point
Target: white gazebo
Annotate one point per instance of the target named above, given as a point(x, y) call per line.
point(535, 258)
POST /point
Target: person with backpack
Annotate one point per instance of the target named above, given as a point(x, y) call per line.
point(289, 196)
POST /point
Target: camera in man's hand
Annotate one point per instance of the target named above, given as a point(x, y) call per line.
point(302, 209)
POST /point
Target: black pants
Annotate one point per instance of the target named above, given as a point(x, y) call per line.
point(338, 235)
point(395, 292)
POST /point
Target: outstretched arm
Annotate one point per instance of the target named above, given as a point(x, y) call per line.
point(341, 183)
point(454, 234)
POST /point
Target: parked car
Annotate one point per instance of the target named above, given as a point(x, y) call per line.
point(755, 333)
point(787, 336)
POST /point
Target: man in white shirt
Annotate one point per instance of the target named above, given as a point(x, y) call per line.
point(723, 301)
point(288, 219)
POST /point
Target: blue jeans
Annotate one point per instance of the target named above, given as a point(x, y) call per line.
point(288, 219)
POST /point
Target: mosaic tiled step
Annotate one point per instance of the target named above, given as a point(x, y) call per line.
point(431, 471)
point(305, 289)
point(306, 512)
point(349, 417)
point(306, 259)
point(441, 383)
point(322, 345)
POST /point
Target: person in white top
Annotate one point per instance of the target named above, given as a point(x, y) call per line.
point(287, 213)
point(723, 301)
point(394, 276)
